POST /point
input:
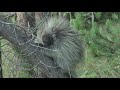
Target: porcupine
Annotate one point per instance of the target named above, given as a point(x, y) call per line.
point(57, 34)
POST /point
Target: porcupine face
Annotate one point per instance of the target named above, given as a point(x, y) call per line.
point(48, 40)
point(54, 30)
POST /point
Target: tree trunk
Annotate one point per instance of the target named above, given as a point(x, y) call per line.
point(27, 21)
point(48, 68)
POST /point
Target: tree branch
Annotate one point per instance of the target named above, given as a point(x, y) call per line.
point(10, 32)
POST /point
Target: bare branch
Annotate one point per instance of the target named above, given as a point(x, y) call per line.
point(11, 33)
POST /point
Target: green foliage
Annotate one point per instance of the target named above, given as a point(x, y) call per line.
point(102, 44)
point(98, 15)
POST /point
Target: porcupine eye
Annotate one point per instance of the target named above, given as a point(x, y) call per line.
point(47, 40)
